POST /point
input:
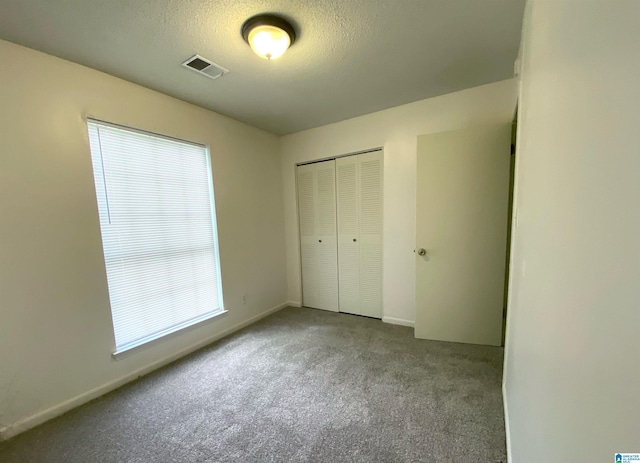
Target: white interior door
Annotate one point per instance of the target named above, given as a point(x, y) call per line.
point(318, 241)
point(359, 190)
point(461, 218)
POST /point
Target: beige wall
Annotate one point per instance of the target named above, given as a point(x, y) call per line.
point(572, 370)
point(395, 130)
point(56, 337)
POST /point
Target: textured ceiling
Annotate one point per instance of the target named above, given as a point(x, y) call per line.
point(351, 57)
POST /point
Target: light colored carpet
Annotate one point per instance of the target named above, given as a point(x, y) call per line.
point(302, 385)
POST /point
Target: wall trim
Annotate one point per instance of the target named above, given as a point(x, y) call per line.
point(507, 428)
point(331, 158)
point(398, 321)
point(294, 303)
point(7, 432)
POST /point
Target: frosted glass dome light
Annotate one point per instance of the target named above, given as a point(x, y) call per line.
point(268, 36)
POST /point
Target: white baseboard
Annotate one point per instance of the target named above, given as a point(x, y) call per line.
point(294, 303)
point(398, 321)
point(507, 428)
point(20, 426)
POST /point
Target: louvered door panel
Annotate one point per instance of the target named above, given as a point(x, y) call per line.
point(306, 202)
point(310, 280)
point(371, 280)
point(348, 246)
point(370, 233)
point(326, 202)
point(347, 197)
point(370, 186)
point(340, 211)
point(307, 224)
point(318, 243)
point(326, 234)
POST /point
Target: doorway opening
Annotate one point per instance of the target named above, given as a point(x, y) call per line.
point(512, 168)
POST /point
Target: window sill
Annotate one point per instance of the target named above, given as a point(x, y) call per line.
point(129, 348)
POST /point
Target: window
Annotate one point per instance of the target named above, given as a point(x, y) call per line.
point(157, 218)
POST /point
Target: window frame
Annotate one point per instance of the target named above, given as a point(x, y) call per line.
point(119, 351)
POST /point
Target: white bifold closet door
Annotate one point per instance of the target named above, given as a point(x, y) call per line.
point(318, 240)
point(359, 205)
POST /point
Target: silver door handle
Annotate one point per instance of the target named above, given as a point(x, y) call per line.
point(422, 252)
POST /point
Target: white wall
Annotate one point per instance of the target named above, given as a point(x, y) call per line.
point(572, 379)
point(56, 337)
point(396, 130)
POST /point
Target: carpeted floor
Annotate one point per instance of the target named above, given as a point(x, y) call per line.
point(302, 385)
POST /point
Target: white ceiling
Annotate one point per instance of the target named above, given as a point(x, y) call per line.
point(351, 57)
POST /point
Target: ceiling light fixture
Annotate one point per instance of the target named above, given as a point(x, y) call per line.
point(268, 35)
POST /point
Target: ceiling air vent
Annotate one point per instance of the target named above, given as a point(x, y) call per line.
point(205, 67)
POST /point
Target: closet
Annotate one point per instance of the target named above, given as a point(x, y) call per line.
point(340, 224)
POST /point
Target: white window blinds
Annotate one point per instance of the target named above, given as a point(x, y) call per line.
point(157, 217)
